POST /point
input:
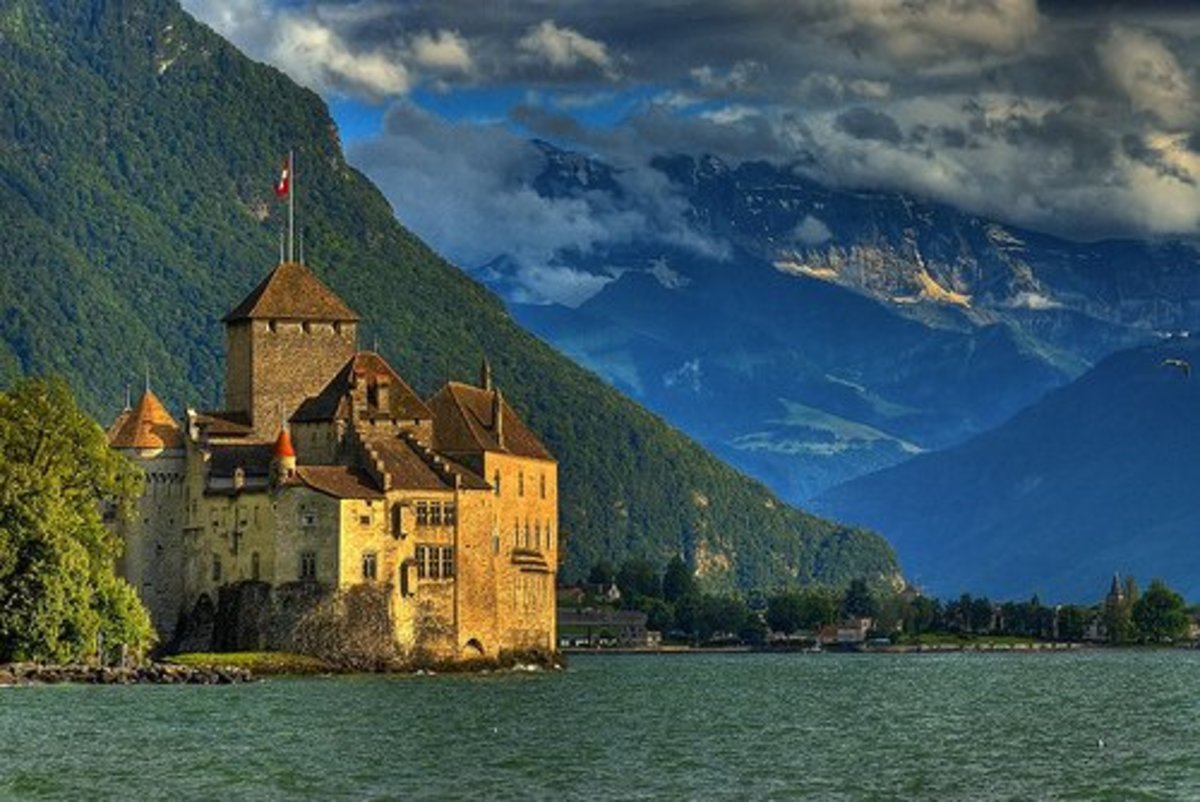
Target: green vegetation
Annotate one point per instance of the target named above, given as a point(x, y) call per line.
point(259, 663)
point(677, 608)
point(60, 601)
point(129, 233)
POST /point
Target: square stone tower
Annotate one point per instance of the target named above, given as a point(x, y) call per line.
point(283, 342)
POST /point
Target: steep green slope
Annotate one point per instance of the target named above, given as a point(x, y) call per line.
point(137, 150)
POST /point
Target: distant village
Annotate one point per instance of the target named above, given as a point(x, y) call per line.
point(615, 612)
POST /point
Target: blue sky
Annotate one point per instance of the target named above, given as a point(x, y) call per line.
point(1080, 119)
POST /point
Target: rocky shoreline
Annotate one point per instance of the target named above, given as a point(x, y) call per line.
point(152, 674)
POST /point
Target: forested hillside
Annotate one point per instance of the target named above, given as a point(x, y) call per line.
point(137, 151)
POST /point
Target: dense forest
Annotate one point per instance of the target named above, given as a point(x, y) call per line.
point(137, 151)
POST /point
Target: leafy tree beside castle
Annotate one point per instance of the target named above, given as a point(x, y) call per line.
point(60, 598)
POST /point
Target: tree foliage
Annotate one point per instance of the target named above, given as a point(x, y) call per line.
point(59, 596)
point(1160, 615)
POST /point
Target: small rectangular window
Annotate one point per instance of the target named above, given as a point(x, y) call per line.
point(450, 513)
point(422, 513)
point(364, 520)
point(447, 562)
point(308, 519)
point(422, 561)
point(308, 565)
point(369, 564)
point(435, 513)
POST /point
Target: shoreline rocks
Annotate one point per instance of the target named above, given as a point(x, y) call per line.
point(150, 674)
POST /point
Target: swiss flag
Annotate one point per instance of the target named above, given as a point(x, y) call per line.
point(284, 184)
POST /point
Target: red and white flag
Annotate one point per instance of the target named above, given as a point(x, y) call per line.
point(284, 184)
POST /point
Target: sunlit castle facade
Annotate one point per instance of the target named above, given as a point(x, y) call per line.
point(326, 472)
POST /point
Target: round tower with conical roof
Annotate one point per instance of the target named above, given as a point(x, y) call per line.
point(152, 558)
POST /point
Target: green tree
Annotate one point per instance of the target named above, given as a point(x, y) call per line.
point(1072, 622)
point(602, 573)
point(59, 595)
point(785, 611)
point(857, 601)
point(1160, 615)
point(678, 580)
point(637, 577)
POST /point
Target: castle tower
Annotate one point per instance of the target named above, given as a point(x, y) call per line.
point(152, 559)
point(284, 341)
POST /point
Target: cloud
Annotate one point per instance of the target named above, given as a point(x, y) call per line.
point(862, 123)
point(565, 49)
point(442, 50)
point(1145, 70)
point(811, 231)
point(469, 190)
point(1060, 116)
point(310, 49)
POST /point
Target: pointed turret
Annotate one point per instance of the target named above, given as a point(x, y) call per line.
point(147, 426)
point(283, 458)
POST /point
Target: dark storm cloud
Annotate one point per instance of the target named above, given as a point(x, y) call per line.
point(863, 123)
point(1076, 118)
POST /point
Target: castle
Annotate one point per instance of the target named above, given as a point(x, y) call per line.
point(326, 472)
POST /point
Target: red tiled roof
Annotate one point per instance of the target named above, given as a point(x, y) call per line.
point(147, 425)
point(333, 402)
point(339, 481)
point(292, 292)
point(463, 423)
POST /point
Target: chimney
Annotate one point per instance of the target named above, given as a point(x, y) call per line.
point(498, 417)
point(485, 375)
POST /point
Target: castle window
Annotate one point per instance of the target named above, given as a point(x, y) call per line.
point(422, 558)
point(364, 520)
point(422, 513)
point(449, 513)
point(521, 483)
point(369, 563)
point(537, 534)
point(496, 482)
point(447, 562)
point(255, 568)
point(435, 513)
point(308, 565)
point(216, 568)
point(308, 519)
point(397, 521)
point(543, 485)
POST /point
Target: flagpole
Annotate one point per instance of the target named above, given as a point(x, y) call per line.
point(291, 206)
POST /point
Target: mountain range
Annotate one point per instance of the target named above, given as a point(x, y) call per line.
point(841, 331)
point(137, 151)
point(1099, 477)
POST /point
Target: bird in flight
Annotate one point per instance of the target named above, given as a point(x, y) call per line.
point(1181, 365)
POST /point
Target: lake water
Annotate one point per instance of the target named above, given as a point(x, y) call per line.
point(1087, 725)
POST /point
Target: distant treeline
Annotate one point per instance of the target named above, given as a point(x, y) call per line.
point(676, 607)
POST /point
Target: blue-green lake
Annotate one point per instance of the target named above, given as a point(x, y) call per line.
point(1086, 725)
